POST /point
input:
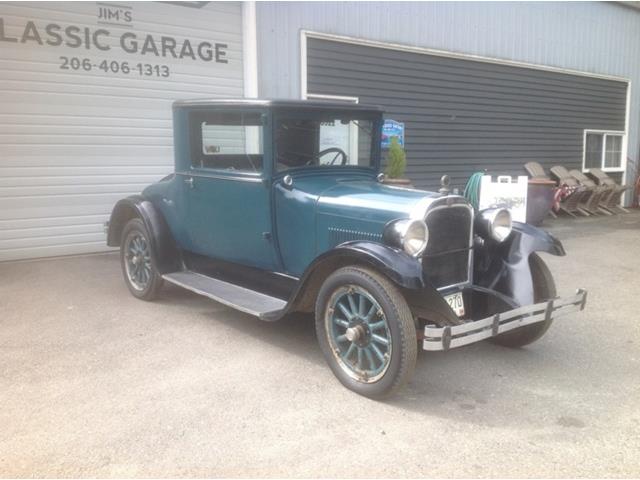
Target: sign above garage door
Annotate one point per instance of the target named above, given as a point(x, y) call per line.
point(52, 35)
point(85, 108)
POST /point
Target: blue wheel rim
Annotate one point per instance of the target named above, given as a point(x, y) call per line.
point(358, 333)
point(137, 261)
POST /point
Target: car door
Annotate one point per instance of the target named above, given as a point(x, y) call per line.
point(227, 208)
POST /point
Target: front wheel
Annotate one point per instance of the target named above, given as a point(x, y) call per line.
point(366, 331)
point(544, 288)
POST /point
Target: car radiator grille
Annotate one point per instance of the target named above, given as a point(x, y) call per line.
point(447, 258)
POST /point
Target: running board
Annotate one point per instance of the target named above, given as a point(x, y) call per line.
point(248, 301)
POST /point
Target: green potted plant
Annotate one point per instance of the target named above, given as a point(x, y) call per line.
point(396, 165)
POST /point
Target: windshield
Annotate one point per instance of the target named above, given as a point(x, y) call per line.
point(322, 139)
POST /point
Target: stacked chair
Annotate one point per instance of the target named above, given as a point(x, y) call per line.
point(589, 202)
point(599, 193)
point(613, 201)
point(587, 196)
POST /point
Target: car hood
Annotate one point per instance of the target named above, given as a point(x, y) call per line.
point(364, 198)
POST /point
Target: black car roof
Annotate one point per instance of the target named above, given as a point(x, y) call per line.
point(247, 102)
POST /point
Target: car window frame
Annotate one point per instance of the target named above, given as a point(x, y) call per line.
point(376, 148)
point(194, 119)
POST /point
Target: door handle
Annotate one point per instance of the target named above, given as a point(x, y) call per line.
point(189, 181)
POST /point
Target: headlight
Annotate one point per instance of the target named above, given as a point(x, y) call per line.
point(494, 223)
point(410, 235)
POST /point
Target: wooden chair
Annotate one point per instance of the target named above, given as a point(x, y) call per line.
point(596, 203)
point(581, 192)
point(614, 198)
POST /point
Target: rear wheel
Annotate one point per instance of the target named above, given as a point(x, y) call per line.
point(366, 331)
point(136, 258)
point(544, 288)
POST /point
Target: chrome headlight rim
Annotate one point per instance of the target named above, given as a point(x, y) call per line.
point(495, 224)
point(409, 235)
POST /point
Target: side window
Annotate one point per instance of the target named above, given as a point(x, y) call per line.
point(227, 141)
point(593, 150)
point(603, 150)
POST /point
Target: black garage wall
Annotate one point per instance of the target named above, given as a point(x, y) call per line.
point(463, 116)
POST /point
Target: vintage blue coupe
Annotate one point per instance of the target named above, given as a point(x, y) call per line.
point(279, 206)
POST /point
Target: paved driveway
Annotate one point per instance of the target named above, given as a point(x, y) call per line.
point(96, 383)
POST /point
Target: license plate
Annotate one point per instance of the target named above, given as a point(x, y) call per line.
point(456, 303)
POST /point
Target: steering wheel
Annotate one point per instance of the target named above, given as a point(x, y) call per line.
point(338, 151)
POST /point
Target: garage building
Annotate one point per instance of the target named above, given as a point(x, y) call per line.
point(85, 105)
point(86, 89)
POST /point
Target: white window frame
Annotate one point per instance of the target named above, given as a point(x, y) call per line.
point(604, 133)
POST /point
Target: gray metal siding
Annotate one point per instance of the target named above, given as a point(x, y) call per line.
point(73, 142)
point(596, 37)
point(463, 116)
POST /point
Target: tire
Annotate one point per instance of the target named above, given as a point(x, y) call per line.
point(355, 347)
point(544, 288)
point(137, 261)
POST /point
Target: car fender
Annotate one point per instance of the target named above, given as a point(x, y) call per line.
point(401, 268)
point(508, 271)
point(163, 246)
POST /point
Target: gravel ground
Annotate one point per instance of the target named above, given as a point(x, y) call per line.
point(95, 383)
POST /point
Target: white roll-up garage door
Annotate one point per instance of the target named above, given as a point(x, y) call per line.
point(85, 108)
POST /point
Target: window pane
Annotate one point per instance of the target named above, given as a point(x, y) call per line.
point(613, 152)
point(230, 141)
point(224, 139)
point(326, 140)
point(593, 150)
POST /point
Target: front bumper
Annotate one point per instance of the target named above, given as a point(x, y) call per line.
point(446, 338)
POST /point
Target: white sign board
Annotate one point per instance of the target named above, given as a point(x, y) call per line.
point(507, 193)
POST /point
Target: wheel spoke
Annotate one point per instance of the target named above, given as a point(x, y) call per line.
point(377, 352)
point(370, 313)
point(342, 338)
point(361, 305)
point(346, 312)
point(379, 339)
point(134, 274)
point(341, 322)
point(352, 304)
point(360, 359)
point(377, 325)
point(349, 351)
point(367, 353)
